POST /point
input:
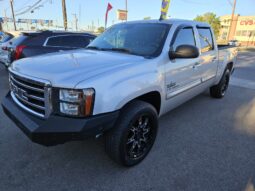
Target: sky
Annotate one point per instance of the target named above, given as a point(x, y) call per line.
point(89, 11)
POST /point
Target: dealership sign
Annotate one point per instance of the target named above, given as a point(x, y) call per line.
point(122, 15)
point(5, 19)
point(30, 21)
point(247, 22)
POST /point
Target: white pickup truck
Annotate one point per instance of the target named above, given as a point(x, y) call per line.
point(118, 86)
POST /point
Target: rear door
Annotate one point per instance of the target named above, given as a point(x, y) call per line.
point(181, 75)
point(209, 54)
point(34, 44)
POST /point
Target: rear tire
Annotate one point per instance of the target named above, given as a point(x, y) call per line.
point(218, 91)
point(134, 134)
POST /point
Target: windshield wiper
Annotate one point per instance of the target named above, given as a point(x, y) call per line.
point(124, 50)
point(120, 50)
point(93, 48)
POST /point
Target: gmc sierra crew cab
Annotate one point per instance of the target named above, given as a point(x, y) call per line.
point(118, 86)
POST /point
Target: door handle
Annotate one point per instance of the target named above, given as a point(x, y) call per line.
point(214, 59)
point(196, 65)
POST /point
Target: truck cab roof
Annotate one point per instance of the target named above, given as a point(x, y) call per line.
point(50, 33)
point(171, 22)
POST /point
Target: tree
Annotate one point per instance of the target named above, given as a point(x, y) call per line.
point(1, 27)
point(212, 19)
point(147, 18)
point(100, 30)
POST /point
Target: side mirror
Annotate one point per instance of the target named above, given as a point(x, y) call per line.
point(184, 51)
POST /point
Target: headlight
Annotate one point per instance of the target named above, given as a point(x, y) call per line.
point(77, 103)
point(71, 95)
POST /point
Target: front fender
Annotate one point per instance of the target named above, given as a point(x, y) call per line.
point(115, 91)
point(134, 87)
point(123, 91)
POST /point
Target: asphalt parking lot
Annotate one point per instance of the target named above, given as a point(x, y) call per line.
point(206, 144)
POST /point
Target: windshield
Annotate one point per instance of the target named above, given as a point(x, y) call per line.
point(143, 39)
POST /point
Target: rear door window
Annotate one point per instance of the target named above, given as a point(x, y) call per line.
point(18, 40)
point(55, 41)
point(72, 41)
point(206, 39)
point(35, 40)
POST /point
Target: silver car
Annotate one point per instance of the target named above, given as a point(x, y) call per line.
point(5, 40)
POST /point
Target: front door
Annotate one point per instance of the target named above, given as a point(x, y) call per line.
point(181, 74)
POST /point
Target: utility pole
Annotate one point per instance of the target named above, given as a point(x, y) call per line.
point(64, 14)
point(249, 37)
point(127, 9)
point(253, 39)
point(13, 16)
point(1, 25)
point(232, 19)
point(76, 21)
point(6, 20)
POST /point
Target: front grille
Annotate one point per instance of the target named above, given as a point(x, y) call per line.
point(31, 95)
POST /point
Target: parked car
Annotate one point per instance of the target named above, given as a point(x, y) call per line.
point(234, 43)
point(5, 38)
point(30, 44)
point(119, 86)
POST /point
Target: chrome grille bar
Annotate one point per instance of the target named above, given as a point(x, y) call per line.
point(35, 97)
point(26, 86)
point(25, 108)
point(31, 104)
point(32, 95)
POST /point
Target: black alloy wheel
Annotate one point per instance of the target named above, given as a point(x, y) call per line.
point(134, 134)
point(140, 137)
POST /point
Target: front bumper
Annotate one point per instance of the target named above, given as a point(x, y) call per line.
point(57, 129)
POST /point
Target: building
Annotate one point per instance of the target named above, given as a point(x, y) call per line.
point(242, 29)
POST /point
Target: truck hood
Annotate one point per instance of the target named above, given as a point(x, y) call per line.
point(66, 69)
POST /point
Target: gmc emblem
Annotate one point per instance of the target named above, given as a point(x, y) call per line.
point(19, 92)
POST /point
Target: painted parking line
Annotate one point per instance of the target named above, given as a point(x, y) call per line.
point(242, 83)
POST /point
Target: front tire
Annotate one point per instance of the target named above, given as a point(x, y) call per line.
point(219, 90)
point(134, 134)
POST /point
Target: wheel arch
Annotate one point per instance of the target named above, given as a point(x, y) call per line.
point(230, 66)
point(153, 98)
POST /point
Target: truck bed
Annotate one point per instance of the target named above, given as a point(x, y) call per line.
point(223, 46)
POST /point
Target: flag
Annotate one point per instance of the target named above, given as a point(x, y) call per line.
point(109, 7)
point(164, 9)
